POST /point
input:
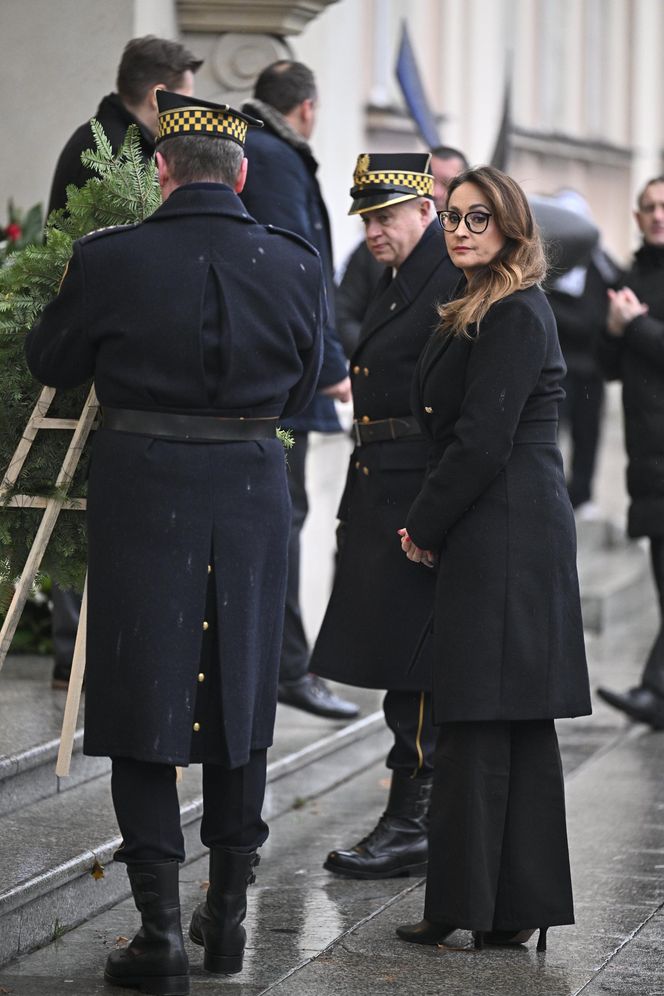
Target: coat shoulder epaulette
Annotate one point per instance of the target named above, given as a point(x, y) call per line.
point(108, 230)
point(293, 236)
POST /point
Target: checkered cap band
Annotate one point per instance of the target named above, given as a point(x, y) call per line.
point(202, 121)
point(421, 183)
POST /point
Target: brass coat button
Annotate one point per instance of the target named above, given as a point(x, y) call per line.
point(201, 677)
point(366, 371)
point(197, 727)
point(206, 624)
point(209, 568)
point(356, 370)
point(428, 409)
point(365, 418)
point(365, 471)
point(357, 465)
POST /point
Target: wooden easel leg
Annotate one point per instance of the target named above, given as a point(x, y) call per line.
point(74, 693)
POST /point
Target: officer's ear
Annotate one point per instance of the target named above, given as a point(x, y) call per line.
point(242, 176)
point(162, 170)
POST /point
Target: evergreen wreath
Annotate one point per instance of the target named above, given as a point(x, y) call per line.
point(125, 191)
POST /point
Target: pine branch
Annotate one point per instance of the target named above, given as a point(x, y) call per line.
point(125, 191)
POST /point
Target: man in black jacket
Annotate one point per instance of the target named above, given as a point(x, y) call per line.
point(380, 606)
point(282, 189)
point(147, 64)
point(201, 329)
point(632, 350)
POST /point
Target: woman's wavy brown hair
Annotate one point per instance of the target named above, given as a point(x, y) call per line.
point(519, 264)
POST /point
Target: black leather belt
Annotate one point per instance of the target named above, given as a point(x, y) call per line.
point(187, 428)
point(385, 428)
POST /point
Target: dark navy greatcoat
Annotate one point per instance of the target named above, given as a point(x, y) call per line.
point(380, 601)
point(198, 310)
point(508, 635)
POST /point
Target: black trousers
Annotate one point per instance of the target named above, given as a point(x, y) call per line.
point(294, 662)
point(409, 717)
point(498, 856)
point(653, 673)
point(582, 412)
point(146, 805)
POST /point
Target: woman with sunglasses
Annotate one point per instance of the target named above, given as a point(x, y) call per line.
point(494, 517)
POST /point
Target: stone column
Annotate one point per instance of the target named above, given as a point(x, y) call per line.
point(238, 39)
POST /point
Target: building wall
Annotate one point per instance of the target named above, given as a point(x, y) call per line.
point(584, 78)
point(58, 58)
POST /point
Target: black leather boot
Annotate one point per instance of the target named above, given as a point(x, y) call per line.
point(155, 962)
point(397, 846)
point(217, 923)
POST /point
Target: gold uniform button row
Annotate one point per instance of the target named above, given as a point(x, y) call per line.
point(361, 370)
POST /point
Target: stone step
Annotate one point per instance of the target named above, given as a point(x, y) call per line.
point(59, 834)
point(614, 574)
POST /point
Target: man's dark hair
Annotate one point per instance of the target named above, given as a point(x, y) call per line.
point(194, 158)
point(285, 84)
point(448, 152)
point(147, 61)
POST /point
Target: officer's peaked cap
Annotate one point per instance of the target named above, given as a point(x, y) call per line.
point(181, 115)
point(390, 178)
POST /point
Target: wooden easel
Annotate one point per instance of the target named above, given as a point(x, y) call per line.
point(80, 429)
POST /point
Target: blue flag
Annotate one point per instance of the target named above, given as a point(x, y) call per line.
point(411, 86)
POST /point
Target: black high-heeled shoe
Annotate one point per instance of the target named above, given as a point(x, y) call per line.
point(425, 932)
point(507, 938)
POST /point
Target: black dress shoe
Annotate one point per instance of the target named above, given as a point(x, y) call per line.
point(311, 694)
point(640, 703)
point(425, 932)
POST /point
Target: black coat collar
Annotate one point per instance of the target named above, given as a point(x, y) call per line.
point(202, 198)
point(391, 297)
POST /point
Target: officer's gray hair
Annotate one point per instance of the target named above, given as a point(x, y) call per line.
point(200, 157)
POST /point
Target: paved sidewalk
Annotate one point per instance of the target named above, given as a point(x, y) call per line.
point(313, 934)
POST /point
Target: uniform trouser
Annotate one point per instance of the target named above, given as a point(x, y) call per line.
point(409, 717)
point(498, 855)
point(653, 674)
point(294, 662)
point(148, 811)
point(582, 411)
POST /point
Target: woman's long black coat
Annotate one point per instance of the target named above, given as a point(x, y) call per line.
point(380, 601)
point(199, 310)
point(508, 635)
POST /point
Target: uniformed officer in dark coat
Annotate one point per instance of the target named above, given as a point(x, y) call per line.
point(201, 329)
point(379, 604)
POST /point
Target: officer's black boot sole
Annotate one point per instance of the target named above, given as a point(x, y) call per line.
point(404, 871)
